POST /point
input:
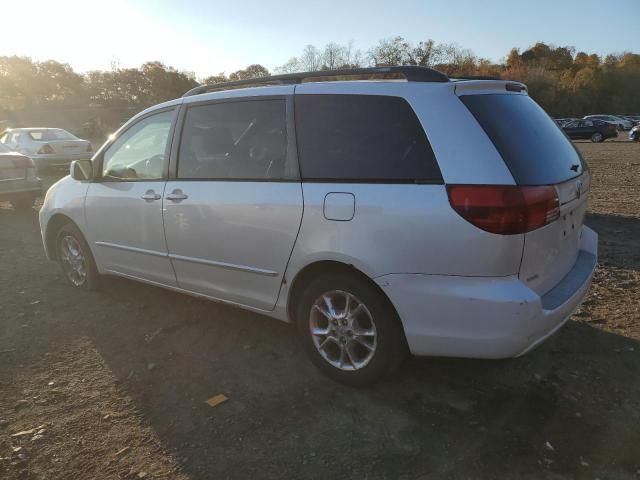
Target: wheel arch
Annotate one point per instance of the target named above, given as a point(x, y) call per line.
point(312, 270)
point(55, 223)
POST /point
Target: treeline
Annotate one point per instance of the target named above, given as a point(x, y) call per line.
point(563, 81)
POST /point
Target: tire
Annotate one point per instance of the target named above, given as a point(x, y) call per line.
point(23, 204)
point(366, 357)
point(597, 137)
point(79, 271)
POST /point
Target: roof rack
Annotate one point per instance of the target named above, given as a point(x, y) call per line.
point(410, 72)
point(476, 77)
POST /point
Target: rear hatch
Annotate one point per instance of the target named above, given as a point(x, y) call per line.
point(68, 147)
point(58, 142)
point(537, 152)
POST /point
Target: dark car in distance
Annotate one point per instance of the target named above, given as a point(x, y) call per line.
point(596, 130)
point(18, 181)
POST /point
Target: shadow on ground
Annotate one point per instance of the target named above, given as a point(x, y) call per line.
point(438, 416)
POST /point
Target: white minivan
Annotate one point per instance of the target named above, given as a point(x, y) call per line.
point(390, 214)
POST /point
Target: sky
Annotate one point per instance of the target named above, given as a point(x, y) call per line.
point(211, 36)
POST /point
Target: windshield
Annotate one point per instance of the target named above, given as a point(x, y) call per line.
point(50, 135)
point(534, 148)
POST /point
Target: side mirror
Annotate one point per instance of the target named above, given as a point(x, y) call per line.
point(81, 170)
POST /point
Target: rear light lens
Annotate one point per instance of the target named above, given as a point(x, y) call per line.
point(46, 150)
point(89, 148)
point(514, 87)
point(505, 209)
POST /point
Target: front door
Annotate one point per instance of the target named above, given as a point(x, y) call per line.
point(124, 205)
point(233, 212)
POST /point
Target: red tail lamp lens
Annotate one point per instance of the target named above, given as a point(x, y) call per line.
point(505, 209)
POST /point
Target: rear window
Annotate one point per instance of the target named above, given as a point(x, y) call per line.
point(362, 138)
point(50, 135)
point(534, 148)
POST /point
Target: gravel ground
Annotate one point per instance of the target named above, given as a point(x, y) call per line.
point(113, 384)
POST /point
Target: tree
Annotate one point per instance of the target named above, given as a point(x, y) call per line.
point(391, 52)
point(562, 81)
point(252, 71)
point(220, 78)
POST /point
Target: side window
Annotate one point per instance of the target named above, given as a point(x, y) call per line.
point(235, 140)
point(140, 153)
point(362, 138)
point(588, 123)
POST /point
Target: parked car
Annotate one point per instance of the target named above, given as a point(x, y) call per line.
point(49, 148)
point(18, 181)
point(562, 121)
point(633, 119)
point(596, 130)
point(620, 123)
point(634, 133)
point(354, 210)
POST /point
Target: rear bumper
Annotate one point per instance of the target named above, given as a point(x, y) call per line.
point(58, 161)
point(486, 317)
point(20, 188)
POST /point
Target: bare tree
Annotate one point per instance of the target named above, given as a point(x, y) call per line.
point(311, 59)
point(293, 65)
point(333, 56)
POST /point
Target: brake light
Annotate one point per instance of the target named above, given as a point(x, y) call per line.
point(46, 149)
point(505, 209)
point(514, 87)
point(89, 148)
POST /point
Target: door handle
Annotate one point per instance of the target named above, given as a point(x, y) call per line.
point(177, 196)
point(150, 195)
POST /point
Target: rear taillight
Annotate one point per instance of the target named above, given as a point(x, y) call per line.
point(46, 150)
point(505, 209)
point(89, 148)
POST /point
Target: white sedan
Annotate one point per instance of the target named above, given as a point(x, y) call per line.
point(47, 147)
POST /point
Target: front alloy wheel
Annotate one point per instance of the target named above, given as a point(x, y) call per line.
point(597, 137)
point(73, 260)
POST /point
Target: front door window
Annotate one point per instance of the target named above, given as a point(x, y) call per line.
point(140, 153)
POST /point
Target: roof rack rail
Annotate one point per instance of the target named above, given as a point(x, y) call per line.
point(410, 72)
point(475, 77)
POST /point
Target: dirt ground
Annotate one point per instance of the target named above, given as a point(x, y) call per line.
point(113, 384)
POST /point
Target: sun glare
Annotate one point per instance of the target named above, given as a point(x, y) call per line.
point(72, 31)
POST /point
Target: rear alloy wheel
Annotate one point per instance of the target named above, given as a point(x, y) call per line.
point(75, 258)
point(343, 330)
point(349, 329)
point(597, 137)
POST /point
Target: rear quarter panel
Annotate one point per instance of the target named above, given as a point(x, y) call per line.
point(400, 229)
